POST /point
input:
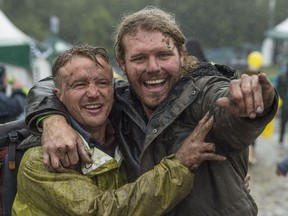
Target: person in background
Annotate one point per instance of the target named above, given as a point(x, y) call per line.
point(12, 104)
point(282, 87)
point(282, 167)
point(84, 83)
point(161, 104)
point(194, 48)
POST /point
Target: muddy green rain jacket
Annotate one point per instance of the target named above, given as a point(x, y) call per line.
point(44, 193)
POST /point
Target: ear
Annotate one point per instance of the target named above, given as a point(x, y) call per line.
point(182, 55)
point(57, 92)
point(122, 65)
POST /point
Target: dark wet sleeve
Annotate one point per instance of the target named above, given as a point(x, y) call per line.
point(41, 101)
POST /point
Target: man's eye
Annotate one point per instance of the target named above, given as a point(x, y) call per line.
point(138, 59)
point(103, 83)
point(164, 55)
point(78, 85)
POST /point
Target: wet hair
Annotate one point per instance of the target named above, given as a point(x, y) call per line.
point(83, 50)
point(148, 19)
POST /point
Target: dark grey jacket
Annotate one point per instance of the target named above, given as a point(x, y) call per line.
point(219, 186)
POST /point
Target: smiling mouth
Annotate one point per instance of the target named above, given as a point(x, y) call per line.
point(155, 85)
point(93, 106)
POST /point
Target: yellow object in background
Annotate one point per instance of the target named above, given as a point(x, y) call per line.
point(255, 60)
point(279, 103)
point(269, 129)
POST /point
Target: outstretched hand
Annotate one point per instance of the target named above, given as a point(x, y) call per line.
point(249, 96)
point(62, 146)
point(194, 150)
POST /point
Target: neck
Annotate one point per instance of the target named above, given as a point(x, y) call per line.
point(98, 134)
point(148, 112)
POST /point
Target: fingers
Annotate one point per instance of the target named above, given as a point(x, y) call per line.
point(63, 157)
point(207, 147)
point(85, 157)
point(247, 178)
point(60, 144)
point(212, 157)
point(202, 129)
point(246, 182)
point(205, 157)
point(46, 161)
point(52, 163)
point(248, 96)
point(249, 89)
point(264, 81)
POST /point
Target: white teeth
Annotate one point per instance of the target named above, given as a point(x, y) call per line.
point(93, 106)
point(154, 81)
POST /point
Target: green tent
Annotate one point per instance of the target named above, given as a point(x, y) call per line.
point(15, 46)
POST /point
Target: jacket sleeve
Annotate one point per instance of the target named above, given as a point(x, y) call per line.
point(228, 129)
point(41, 101)
point(153, 193)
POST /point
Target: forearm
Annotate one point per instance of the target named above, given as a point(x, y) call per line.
point(41, 101)
point(229, 128)
point(227, 124)
point(154, 193)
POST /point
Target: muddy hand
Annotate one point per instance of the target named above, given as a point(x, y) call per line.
point(194, 150)
point(62, 146)
point(248, 96)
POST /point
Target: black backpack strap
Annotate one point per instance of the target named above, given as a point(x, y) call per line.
point(14, 139)
point(6, 128)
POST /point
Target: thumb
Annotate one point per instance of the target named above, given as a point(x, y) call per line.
point(83, 154)
point(264, 81)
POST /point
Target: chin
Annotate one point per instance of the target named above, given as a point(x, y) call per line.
point(153, 105)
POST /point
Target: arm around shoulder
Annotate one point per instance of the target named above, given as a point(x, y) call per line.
point(41, 101)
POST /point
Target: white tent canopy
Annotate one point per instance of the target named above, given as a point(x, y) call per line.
point(10, 34)
point(18, 53)
point(280, 31)
point(277, 36)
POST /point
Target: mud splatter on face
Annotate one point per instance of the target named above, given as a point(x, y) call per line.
point(166, 40)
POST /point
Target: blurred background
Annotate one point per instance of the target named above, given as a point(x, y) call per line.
point(249, 35)
point(228, 30)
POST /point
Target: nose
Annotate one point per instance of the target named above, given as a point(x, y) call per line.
point(93, 91)
point(153, 64)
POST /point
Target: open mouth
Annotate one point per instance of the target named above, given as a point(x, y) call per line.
point(155, 85)
point(93, 107)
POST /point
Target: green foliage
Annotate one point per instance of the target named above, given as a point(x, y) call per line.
point(215, 23)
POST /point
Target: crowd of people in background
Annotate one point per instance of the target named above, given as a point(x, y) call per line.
point(12, 98)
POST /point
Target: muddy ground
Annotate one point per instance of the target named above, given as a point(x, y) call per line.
point(269, 190)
